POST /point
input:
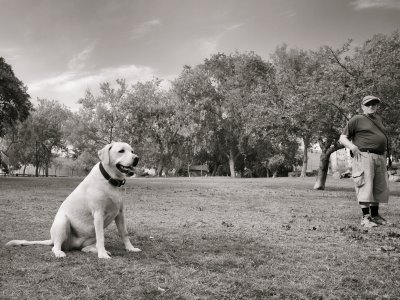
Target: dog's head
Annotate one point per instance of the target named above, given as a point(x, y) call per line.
point(120, 158)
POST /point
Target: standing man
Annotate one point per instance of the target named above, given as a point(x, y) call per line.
point(365, 136)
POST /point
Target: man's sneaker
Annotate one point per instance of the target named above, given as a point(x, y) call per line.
point(379, 220)
point(367, 222)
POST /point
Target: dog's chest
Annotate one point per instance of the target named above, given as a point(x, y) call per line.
point(113, 202)
point(113, 205)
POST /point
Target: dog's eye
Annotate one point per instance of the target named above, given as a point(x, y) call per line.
point(132, 151)
point(121, 151)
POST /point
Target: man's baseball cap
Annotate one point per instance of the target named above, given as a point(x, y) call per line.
point(370, 98)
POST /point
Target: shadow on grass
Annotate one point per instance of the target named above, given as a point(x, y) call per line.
point(339, 189)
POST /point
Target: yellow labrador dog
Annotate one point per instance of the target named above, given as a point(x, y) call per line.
point(92, 206)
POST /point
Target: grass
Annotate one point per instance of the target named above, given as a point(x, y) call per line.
point(207, 238)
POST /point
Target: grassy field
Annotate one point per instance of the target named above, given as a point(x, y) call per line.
point(207, 238)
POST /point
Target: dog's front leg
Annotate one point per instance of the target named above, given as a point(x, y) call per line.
point(99, 228)
point(121, 225)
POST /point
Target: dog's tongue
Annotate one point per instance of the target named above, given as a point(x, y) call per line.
point(129, 170)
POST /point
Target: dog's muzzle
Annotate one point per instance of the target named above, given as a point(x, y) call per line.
point(128, 170)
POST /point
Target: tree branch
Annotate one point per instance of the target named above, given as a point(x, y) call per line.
point(337, 60)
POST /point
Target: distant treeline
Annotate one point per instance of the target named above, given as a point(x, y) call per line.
point(236, 112)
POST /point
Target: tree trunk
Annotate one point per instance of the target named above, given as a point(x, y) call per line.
point(160, 168)
point(305, 157)
point(217, 170)
point(232, 163)
point(305, 160)
point(323, 166)
point(37, 159)
point(47, 162)
point(24, 170)
point(322, 171)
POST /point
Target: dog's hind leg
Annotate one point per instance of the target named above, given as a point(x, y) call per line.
point(60, 235)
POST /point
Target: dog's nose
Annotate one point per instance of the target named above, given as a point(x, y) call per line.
point(135, 161)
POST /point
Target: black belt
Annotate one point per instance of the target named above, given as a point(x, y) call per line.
point(372, 151)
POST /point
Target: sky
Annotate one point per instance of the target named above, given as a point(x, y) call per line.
point(61, 48)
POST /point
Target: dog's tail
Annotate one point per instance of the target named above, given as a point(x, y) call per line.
point(26, 243)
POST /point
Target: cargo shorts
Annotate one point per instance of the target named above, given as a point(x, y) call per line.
point(371, 178)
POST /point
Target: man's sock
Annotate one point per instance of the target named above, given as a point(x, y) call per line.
point(374, 211)
point(365, 211)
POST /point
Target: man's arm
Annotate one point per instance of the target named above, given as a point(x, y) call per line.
point(344, 140)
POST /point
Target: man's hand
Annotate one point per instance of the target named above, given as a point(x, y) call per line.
point(356, 152)
point(344, 140)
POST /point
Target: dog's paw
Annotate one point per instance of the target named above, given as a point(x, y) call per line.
point(105, 255)
point(132, 249)
point(59, 254)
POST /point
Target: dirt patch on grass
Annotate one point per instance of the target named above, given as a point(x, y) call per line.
point(207, 238)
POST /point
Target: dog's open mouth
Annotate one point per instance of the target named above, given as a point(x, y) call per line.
point(126, 170)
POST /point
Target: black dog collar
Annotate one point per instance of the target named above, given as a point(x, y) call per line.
point(114, 182)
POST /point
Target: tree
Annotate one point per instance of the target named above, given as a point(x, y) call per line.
point(159, 123)
point(377, 63)
point(372, 69)
point(58, 163)
point(14, 99)
point(86, 161)
point(100, 120)
point(332, 102)
point(275, 163)
point(194, 90)
point(73, 166)
point(18, 146)
point(345, 80)
point(295, 72)
point(315, 94)
point(224, 93)
point(44, 130)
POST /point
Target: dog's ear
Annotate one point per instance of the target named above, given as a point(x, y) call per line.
point(104, 154)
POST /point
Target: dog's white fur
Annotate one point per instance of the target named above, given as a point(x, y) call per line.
point(91, 207)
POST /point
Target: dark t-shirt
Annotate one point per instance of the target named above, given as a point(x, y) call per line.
point(365, 134)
